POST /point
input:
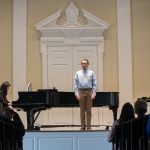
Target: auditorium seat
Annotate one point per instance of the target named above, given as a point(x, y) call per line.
point(138, 133)
point(8, 136)
point(132, 135)
point(1, 135)
point(118, 138)
point(126, 135)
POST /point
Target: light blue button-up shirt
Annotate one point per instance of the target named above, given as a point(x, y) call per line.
point(85, 79)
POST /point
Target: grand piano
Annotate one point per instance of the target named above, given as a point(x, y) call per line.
point(33, 102)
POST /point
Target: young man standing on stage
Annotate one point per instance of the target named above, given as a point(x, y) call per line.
point(85, 92)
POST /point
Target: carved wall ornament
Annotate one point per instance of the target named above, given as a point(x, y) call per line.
point(72, 14)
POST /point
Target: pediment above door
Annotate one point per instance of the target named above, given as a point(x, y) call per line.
point(72, 22)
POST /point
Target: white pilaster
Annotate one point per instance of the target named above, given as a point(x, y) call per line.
point(44, 64)
point(100, 65)
point(124, 51)
point(19, 46)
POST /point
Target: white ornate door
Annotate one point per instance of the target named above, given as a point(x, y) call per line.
point(63, 62)
point(60, 68)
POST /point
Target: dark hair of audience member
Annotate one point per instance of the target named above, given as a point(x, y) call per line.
point(127, 113)
point(140, 107)
point(4, 87)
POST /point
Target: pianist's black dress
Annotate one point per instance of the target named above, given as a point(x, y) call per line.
point(9, 116)
point(3, 100)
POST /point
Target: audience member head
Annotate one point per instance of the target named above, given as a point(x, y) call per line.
point(7, 113)
point(127, 113)
point(4, 87)
point(140, 107)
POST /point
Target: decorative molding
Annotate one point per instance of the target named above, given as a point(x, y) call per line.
point(102, 24)
point(72, 33)
point(45, 23)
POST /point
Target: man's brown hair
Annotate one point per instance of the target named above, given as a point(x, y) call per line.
point(85, 60)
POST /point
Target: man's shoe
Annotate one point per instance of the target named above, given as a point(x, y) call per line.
point(83, 128)
point(89, 129)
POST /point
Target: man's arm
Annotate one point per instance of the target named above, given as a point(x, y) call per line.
point(94, 85)
point(76, 80)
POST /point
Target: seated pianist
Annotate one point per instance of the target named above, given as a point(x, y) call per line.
point(9, 115)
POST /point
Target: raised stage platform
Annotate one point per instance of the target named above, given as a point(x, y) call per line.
point(66, 140)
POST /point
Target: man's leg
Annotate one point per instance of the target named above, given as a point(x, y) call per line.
point(89, 103)
point(82, 103)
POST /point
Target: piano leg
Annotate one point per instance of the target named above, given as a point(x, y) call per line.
point(114, 110)
point(30, 119)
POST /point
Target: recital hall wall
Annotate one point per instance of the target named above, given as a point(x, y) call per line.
point(140, 13)
point(6, 53)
